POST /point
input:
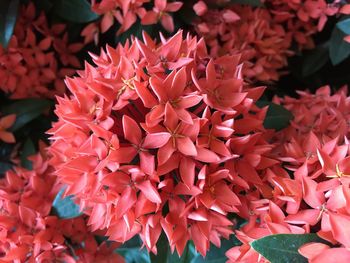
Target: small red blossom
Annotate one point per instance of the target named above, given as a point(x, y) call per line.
point(263, 36)
point(160, 13)
point(5, 123)
point(37, 58)
point(29, 233)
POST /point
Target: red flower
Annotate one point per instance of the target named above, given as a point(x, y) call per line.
point(5, 123)
point(137, 130)
point(28, 233)
point(31, 64)
point(160, 12)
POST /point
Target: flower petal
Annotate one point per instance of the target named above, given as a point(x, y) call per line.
point(186, 146)
point(149, 191)
point(132, 132)
point(156, 140)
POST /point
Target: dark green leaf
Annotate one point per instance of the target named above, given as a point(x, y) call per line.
point(4, 166)
point(186, 14)
point(344, 26)
point(44, 5)
point(315, 59)
point(248, 2)
point(188, 255)
point(78, 11)
point(8, 16)
point(283, 248)
point(163, 250)
point(277, 116)
point(215, 254)
point(65, 208)
point(165, 256)
point(26, 110)
point(339, 49)
point(101, 239)
point(28, 149)
point(136, 31)
point(132, 252)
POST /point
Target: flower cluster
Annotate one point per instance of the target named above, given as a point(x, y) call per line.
point(249, 32)
point(262, 35)
point(325, 114)
point(314, 195)
point(164, 138)
point(37, 58)
point(127, 12)
point(159, 137)
point(29, 233)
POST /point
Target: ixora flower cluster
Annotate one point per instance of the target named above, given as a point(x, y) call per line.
point(29, 233)
point(162, 138)
point(262, 35)
point(127, 12)
point(159, 137)
point(313, 197)
point(38, 57)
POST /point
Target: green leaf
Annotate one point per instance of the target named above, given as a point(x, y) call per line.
point(188, 255)
point(283, 248)
point(277, 116)
point(26, 110)
point(315, 59)
point(215, 254)
point(6, 150)
point(65, 208)
point(28, 149)
point(132, 252)
point(44, 5)
point(8, 16)
point(165, 256)
point(4, 167)
point(186, 15)
point(78, 11)
point(339, 49)
point(163, 250)
point(136, 31)
point(248, 2)
point(344, 26)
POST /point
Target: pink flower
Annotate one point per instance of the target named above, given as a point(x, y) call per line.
point(200, 8)
point(5, 123)
point(151, 123)
point(160, 13)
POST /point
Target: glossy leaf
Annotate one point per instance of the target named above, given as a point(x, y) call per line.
point(344, 26)
point(4, 166)
point(28, 149)
point(136, 31)
point(78, 11)
point(165, 256)
point(26, 110)
point(277, 116)
point(283, 248)
point(132, 252)
point(65, 207)
point(339, 49)
point(8, 16)
point(187, 256)
point(215, 254)
point(163, 251)
point(315, 59)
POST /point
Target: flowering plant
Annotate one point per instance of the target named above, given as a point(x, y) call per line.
point(174, 131)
